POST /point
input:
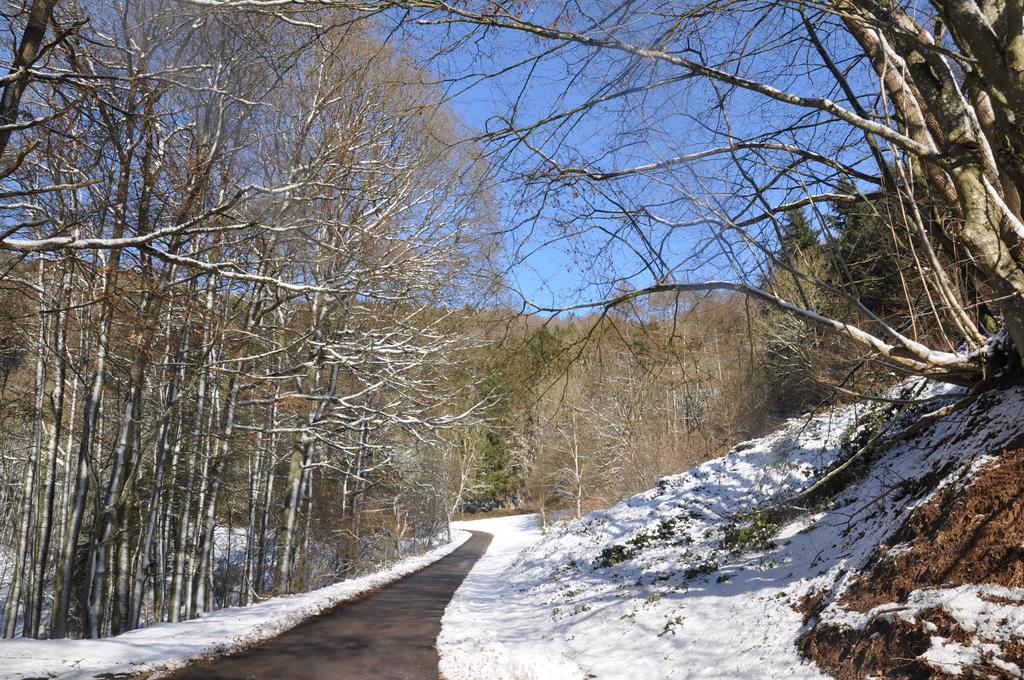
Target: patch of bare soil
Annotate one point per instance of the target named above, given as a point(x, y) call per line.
point(964, 535)
point(891, 648)
point(887, 649)
point(970, 535)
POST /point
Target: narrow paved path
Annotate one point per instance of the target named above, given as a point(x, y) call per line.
point(387, 636)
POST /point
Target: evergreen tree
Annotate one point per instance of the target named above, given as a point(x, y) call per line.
point(867, 260)
point(798, 237)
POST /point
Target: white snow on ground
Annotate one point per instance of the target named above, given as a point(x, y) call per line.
point(687, 580)
point(164, 647)
point(484, 632)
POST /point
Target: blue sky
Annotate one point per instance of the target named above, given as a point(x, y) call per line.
point(558, 271)
point(540, 268)
point(547, 270)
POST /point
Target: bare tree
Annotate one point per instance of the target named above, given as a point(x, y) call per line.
point(233, 240)
point(687, 133)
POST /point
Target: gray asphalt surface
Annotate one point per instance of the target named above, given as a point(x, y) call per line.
point(388, 636)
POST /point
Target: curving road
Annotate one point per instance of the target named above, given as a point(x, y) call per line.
point(387, 636)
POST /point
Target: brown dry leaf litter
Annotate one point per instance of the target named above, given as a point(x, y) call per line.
point(972, 535)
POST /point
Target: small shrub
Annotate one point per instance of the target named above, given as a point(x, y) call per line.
point(613, 555)
point(702, 569)
point(754, 534)
point(667, 528)
point(671, 625)
point(616, 554)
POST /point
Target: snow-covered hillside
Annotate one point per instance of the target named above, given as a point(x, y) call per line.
point(712, 574)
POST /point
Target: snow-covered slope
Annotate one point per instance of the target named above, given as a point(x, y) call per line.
point(481, 637)
point(711, 574)
point(166, 646)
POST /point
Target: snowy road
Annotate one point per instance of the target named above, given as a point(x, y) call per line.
point(387, 636)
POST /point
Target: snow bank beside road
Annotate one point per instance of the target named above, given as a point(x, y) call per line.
point(165, 647)
point(489, 634)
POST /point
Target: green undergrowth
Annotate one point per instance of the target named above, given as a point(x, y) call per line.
point(754, 532)
point(619, 553)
